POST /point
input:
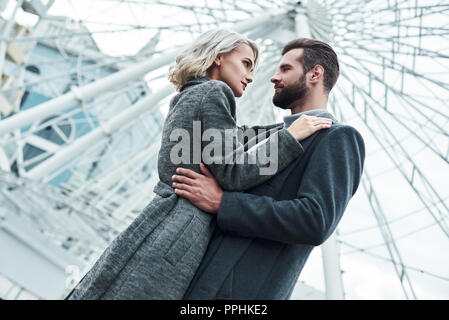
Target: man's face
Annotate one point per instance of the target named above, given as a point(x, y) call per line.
point(289, 82)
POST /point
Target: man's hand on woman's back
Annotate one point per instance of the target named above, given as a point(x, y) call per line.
point(202, 190)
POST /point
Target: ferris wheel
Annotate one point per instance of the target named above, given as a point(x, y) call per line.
point(84, 94)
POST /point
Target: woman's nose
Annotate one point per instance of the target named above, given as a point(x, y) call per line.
point(249, 78)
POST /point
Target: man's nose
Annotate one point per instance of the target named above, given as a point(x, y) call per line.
point(275, 78)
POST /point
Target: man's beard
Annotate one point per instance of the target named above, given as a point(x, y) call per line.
point(289, 94)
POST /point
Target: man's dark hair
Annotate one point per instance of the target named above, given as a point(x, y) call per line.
point(317, 52)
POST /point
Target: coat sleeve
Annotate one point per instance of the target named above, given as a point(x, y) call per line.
point(262, 127)
point(330, 180)
point(235, 167)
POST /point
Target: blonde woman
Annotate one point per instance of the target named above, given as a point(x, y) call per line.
point(157, 255)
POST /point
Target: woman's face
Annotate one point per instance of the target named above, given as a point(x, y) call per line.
point(235, 68)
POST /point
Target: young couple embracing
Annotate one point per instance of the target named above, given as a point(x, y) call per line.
point(236, 218)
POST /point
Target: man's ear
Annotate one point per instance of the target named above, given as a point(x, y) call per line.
point(316, 73)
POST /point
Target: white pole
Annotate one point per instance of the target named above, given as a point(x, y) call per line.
point(143, 195)
point(301, 23)
point(136, 161)
point(332, 271)
point(68, 152)
point(105, 182)
point(329, 249)
point(127, 175)
point(90, 90)
point(86, 92)
point(4, 162)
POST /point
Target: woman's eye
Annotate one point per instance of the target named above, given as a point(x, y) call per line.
point(246, 63)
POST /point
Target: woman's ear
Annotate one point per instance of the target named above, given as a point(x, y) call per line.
point(218, 60)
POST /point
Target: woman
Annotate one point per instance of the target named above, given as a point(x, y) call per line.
point(157, 255)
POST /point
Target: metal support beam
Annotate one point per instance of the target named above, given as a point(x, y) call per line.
point(388, 237)
point(331, 266)
point(137, 160)
point(98, 134)
point(4, 162)
point(139, 199)
point(90, 90)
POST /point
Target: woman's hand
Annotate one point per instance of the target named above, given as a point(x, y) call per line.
point(305, 126)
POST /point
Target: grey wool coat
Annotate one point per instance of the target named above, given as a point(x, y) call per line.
point(158, 254)
point(265, 235)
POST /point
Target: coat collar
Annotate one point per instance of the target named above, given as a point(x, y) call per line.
point(288, 120)
point(193, 82)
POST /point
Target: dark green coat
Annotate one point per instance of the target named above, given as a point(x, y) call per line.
point(264, 236)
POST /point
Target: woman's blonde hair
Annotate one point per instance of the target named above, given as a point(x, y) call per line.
point(194, 61)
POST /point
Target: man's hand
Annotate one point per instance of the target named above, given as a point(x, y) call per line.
point(202, 190)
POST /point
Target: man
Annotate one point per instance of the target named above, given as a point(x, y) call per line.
point(265, 235)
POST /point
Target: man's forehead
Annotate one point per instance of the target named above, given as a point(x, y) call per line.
point(292, 56)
